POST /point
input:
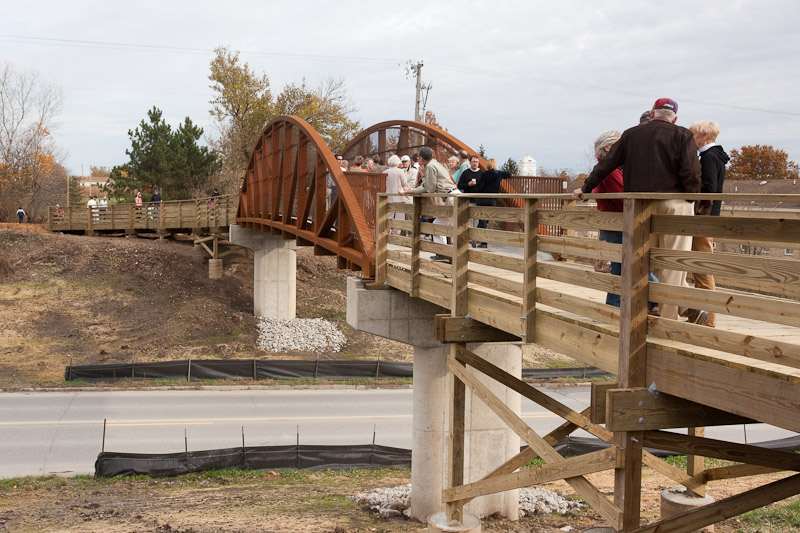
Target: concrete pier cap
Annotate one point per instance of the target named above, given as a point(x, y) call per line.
point(394, 315)
point(274, 271)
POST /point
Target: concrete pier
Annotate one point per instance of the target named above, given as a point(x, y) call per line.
point(274, 272)
point(489, 443)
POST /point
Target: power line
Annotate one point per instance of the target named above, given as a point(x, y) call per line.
point(25, 39)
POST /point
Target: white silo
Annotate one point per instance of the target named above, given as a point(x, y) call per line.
point(527, 166)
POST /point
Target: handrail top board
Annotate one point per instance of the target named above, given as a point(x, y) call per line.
point(616, 196)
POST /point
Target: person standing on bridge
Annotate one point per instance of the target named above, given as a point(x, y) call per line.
point(437, 180)
point(712, 172)
point(396, 184)
point(658, 156)
point(20, 215)
point(464, 157)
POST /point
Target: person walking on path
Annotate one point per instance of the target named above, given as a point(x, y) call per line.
point(712, 171)
point(20, 215)
point(658, 156)
point(436, 180)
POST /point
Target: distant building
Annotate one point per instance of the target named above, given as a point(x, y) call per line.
point(527, 166)
point(91, 185)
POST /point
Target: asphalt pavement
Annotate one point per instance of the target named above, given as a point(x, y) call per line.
point(61, 432)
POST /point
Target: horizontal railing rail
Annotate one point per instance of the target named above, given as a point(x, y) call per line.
point(210, 212)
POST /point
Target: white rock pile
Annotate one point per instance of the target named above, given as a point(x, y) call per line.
point(393, 502)
point(299, 335)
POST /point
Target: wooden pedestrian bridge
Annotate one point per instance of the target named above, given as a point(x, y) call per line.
point(670, 374)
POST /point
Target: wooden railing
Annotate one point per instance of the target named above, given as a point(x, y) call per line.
point(670, 373)
point(212, 212)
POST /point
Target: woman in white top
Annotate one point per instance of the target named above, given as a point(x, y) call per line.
point(396, 181)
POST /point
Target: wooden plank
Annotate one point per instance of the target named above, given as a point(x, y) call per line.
point(464, 329)
point(597, 403)
point(414, 242)
point(767, 271)
point(428, 228)
point(781, 230)
point(436, 248)
point(719, 449)
point(642, 409)
point(581, 247)
point(494, 236)
point(460, 219)
point(761, 348)
point(495, 283)
point(734, 471)
point(382, 240)
point(637, 241)
point(496, 260)
point(731, 383)
point(582, 219)
point(573, 339)
point(501, 214)
point(431, 210)
point(399, 207)
point(582, 277)
point(735, 505)
point(569, 468)
point(530, 231)
point(582, 486)
point(456, 437)
point(750, 306)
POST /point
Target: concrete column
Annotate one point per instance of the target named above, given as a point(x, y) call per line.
point(489, 443)
point(274, 272)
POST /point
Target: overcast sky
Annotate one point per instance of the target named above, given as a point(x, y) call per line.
point(526, 77)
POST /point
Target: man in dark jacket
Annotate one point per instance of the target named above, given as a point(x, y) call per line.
point(712, 164)
point(658, 156)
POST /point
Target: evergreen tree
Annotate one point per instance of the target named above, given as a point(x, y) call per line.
point(193, 164)
point(511, 167)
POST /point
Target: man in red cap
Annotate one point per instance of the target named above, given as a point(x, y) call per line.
point(657, 156)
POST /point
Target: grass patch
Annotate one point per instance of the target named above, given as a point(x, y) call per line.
point(780, 517)
point(680, 461)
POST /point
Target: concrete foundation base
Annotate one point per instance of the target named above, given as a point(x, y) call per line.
point(488, 441)
point(438, 523)
point(215, 269)
point(274, 272)
point(678, 500)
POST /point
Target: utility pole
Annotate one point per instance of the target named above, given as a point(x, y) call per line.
point(415, 69)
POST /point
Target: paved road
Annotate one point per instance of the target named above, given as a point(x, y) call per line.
point(61, 432)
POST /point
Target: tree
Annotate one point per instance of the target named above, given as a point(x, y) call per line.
point(761, 162)
point(243, 104)
point(482, 151)
point(99, 172)
point(159, 156)
point(193, 164)
point(511, 167)
point(28, 155)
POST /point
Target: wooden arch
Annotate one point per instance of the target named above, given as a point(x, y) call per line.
point(404, 137)
point(294, 187)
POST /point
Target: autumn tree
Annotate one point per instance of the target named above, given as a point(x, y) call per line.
point(243, 104)
point(761, 162)
point(28, 155)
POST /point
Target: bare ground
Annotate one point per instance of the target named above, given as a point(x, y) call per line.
point(103, 299)
point(313, 501)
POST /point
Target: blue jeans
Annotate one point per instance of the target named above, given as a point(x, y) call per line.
point(616, 268)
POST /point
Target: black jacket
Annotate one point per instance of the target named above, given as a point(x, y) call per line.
point(466, 176)
point(490, 184)
point(712, 171)
point(657, 156)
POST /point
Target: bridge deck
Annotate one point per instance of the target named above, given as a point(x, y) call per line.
point(670, 373)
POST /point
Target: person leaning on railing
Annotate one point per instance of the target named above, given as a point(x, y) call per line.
point(436, 180)
point(657, 156)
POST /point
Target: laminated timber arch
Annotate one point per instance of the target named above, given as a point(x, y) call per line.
point(404, 137)
point(286, 191)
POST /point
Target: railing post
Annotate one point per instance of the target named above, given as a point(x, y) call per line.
point(460, 223)
point(131, 218)
point(415, 240)
point(381, 239)
point(89, 222)
point(636, 244)
point(531, 230)
point(180, 215)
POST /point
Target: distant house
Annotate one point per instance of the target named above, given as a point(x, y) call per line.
point(91, 185)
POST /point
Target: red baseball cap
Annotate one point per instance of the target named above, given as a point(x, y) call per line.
point(666, 103)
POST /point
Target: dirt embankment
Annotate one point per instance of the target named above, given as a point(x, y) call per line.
point(103, 299)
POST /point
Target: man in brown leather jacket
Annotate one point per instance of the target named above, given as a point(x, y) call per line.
point(657, 156)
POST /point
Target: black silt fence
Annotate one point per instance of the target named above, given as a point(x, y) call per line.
point(280, 369)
